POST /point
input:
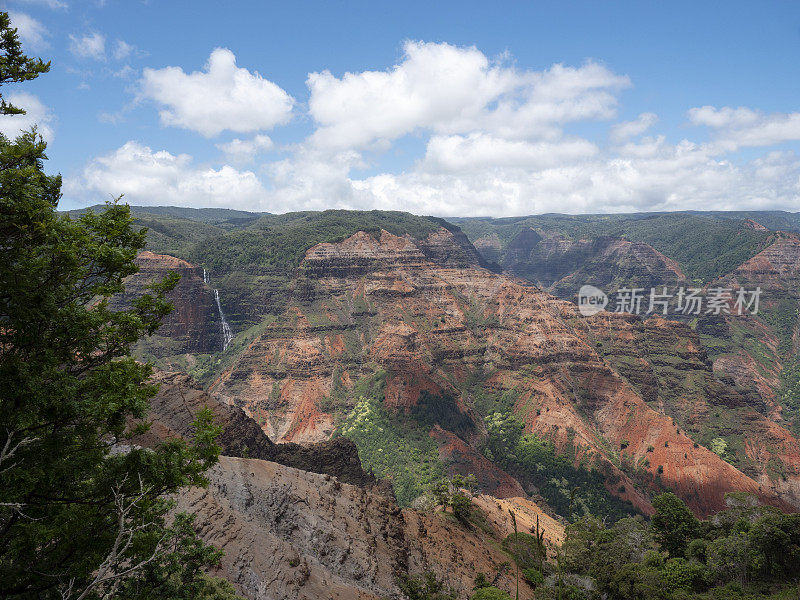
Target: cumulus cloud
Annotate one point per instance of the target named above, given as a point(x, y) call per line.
point(90, 45)
point(496, 142)
point(449, 89)
point(245, 151)
point(740, 127)
point(665, 177)
point(480, 151)
point(31, 32)
point(37, 114)
point(628, 129)
point(146, 177)
point(222, 97)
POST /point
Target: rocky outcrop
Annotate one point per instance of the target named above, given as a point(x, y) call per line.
point(450, 247)
point(287, 533)
point(174, 409)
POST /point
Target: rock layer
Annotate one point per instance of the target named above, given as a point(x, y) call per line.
point(288, 533)
point(378, 303)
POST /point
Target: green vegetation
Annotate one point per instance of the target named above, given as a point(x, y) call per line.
point(456, 494)
point(572, 491)
point(746, 551)
point(431, 410)
point(490, 593)
point(782, 317)
point(527, 550)
point(278, 242)
point(425, 587)
point(789, 393)
point(705, 245)
point(83, 513)
point(391, 448)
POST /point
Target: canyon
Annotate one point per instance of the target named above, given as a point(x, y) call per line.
point(419, 335)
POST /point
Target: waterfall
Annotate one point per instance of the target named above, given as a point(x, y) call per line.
point(227, 332)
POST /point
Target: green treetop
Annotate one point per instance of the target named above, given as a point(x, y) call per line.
point(83, 514)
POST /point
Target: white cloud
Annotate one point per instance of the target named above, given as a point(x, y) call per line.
point(245, 151)
point(740, 127)
point(448, 89)
point(480, 151)
point(90, 45)
point(496, 144)
point(222, 97)
point(146, 177)
point(31, 32)
point(628, 129)
point(36, 114)
point(685, 176)
point(314, 180)
point(122, 49)
point(495, 137)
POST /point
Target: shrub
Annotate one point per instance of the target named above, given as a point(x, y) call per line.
point(462, 506)
point(681, 574)
point(524, 548)
point(490, 593)
point(533, 576)
point(425, 587)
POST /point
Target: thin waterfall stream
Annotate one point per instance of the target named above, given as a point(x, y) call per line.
point(227, 332)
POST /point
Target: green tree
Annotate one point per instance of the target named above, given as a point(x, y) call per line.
point(83, 514)
point(729, 558)
point(15, 67)
point(580, 543)
point(504, 432)
point(673, 524)
point(533, 576)
point(462, 506)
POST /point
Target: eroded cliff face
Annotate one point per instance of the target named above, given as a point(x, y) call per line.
point(561, 265)
point(193, 326)
point(288, 533)
point(753, 351)
point(375, 303)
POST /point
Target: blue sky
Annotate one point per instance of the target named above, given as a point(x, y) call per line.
point(437, 108)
